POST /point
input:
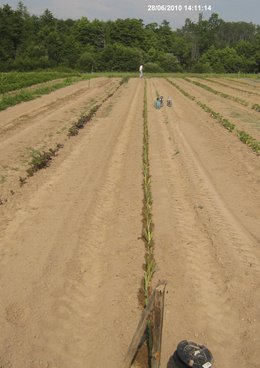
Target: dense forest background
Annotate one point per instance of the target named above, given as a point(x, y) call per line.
point(29, 42)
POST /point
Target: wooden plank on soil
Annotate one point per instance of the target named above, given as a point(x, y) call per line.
point(158, 324)
point(138, 336)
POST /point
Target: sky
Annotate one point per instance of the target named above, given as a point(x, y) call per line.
point(228, 10)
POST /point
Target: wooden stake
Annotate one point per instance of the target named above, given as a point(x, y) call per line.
point(138, 336)
point(158, 325)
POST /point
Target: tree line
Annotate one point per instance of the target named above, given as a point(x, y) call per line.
point(29, 42)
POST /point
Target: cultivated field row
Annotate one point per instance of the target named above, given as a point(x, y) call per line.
point(21, 87)
point(231, 87)
point(30, 140)
point(229, 114)
point(202, 248)
point(170, 179)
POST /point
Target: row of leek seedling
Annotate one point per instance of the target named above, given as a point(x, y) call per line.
point(40, 160)
point(242, 135)
point(255, 107)
point(148, 226)
point(229, 86)
point(147, 209)
point(84, 119)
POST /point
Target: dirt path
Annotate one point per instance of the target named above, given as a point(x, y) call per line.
point(71, 255)
point(243, 117)
point(206, 215)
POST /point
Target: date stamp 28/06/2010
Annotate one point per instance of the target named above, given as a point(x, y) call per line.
point(179, 8)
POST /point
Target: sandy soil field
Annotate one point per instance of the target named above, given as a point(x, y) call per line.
point(247, 83)
point(71, 248)
point(243, 117)
point(252, 97)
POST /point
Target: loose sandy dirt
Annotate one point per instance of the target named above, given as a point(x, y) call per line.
point(206, 215)
point(246, 82)
point(71, 253)
point(41, 124)
point(247, 88)
point(226, 88)
point(243, 117)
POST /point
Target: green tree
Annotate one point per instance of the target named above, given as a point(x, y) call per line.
point(222, 60)
point(128, 32)
point(120, 58)
point(86, 62)
point(169, 63)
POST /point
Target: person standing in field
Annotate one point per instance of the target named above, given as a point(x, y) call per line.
point(141, 70)
point(157, 103)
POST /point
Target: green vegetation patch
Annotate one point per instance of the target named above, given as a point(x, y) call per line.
point(19, 80)
point(248, 140)
point(25, 95)
point(40, 160)
point(256, 107)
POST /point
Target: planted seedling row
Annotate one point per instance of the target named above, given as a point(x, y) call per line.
point(226, 85)
point(40, 160)
point(243, 136)
point(84, 119)
point(148, 226)
point(147, 209)
point(255, 107)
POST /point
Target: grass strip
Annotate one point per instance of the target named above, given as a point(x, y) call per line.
point(255, 107)
point(23, 96)
point(17, 80)
point(243, 136)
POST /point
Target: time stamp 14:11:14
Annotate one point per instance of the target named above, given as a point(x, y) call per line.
point(179, 8)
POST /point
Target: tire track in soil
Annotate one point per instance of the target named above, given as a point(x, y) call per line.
point(74, 302)
point(234, 170)
point(206, 267)
point(105, 202)
point(243, 117)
